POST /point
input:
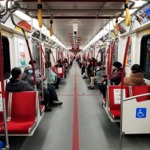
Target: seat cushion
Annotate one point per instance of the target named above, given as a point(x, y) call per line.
point(18, 127)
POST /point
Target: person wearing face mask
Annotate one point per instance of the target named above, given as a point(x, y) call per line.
point(115, 77)
point(50, 96)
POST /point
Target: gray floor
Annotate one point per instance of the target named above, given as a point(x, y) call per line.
point(96, 132)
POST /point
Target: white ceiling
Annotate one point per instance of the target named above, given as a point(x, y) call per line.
point(90, 16)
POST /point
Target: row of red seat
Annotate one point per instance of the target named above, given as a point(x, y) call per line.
point(113, 105)
point(24, 113)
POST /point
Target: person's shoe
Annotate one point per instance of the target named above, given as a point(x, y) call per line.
point(84, 77)
point(57, 87)
point(48, 108)
point(90, 87)
point(57, 102)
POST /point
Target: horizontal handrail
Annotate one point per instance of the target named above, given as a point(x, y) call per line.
point(132, 97)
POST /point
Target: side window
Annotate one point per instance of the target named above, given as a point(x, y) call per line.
point(47, 54)
point(6, 57)
point(115, 54)
point(145, 56)
point(102, 51)
point(36, 51)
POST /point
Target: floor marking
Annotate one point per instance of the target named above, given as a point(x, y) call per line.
point(79, 94)
point(75, 145)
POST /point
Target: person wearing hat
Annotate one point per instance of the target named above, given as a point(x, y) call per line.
point(50, 95)
point(115, 77)
point(136, 76)
point(16, 84)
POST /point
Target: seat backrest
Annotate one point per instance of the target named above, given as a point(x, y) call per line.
point(6, 106)
point(61, 72)
point(114, 96)
point(137, 90)
point(23, 106)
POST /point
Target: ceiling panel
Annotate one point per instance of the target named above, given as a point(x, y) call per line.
point(90, 15)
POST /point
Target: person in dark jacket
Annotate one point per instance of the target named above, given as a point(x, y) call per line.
point(115, 77)
point(50, 96)
point(16, 84)
point(136, 77)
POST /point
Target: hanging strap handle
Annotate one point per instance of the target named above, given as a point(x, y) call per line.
point(127, 17)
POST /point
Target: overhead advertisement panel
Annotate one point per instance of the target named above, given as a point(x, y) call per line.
point(143, 15)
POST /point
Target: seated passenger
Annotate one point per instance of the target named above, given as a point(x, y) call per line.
point(92, 79)
point(52, 76)
point(83, 66)
point(87, 70)
point(44, 78)
point(90, 68)
point(115, 77)
point(50, 96)
point(136, 77)
point(16, 84)
point(59, 63)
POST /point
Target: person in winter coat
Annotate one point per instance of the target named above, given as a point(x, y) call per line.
point(16, 84)
point(136, 76)
point(50, 95)
point(115, 77)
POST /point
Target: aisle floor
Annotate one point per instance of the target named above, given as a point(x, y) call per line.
point(79, 124)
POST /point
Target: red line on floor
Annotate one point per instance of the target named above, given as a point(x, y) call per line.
point(75, 145)
point(79, 94)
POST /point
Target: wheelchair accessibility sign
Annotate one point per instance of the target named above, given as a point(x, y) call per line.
point(141, 112)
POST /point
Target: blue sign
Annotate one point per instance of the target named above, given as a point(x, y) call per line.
point(141, 112)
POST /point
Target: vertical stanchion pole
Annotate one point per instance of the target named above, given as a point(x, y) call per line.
point(122, 78)
point(3, 91)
